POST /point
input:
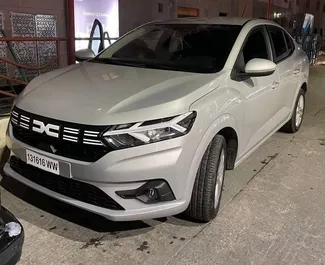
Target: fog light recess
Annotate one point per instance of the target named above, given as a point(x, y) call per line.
point(153, 191)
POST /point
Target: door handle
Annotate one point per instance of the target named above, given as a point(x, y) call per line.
point(275, 84)
point(296, 72)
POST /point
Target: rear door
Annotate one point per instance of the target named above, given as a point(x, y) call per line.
point(283, 53)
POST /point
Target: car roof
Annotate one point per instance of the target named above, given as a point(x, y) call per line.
point(239, 21)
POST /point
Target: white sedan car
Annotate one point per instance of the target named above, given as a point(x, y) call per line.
point(148, 127)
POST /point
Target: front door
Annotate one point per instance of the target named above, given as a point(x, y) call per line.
point(260, 95)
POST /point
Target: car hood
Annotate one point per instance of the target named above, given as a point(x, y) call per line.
point(93, 93)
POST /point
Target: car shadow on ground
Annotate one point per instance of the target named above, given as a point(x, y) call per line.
point(65, 211)
point(66, 217)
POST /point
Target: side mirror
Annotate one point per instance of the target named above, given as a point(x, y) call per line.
point(260, 67)
point(84, 55)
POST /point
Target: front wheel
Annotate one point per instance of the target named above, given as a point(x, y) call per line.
point(294, 124)
point(207, 190)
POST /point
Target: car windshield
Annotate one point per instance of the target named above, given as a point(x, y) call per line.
point(179, 47)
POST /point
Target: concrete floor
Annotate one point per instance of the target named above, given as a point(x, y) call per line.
point(272, 213)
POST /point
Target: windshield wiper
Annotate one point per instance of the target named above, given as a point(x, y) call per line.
point(119, 62)
point(153, 65)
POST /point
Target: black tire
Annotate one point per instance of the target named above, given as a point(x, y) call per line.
point(202, 206)
point(290, 126)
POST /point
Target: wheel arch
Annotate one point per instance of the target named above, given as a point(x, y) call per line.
point(304, 87)
point(231, 137)
point(224, 125)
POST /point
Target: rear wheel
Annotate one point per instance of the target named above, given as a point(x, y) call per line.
point(294, 124)
point(207, 190)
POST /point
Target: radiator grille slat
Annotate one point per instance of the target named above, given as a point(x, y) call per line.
point(69, 139)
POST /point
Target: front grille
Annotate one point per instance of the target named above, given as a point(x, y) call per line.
point(71, 140)
point(78, 190)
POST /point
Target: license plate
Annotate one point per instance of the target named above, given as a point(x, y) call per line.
point(42, 162)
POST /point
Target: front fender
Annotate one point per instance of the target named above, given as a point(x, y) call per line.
point(220, 123)
point(219, 109)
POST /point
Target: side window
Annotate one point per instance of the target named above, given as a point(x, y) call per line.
point(290, 44)
point(255, 46)
point(279, 43)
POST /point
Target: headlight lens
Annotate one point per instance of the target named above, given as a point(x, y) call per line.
point(135, 134)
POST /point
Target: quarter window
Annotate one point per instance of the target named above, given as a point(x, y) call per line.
point(290, 44)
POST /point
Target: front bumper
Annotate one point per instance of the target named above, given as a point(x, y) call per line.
point(123, 170)
point(10, 247)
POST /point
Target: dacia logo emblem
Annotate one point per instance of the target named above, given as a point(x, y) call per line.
point(50, 129)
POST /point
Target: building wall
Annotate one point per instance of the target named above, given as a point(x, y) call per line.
point(50, 7)
point(209, 8)
point(322, 18)
point(297, 8)
point(279, 3)
point(278, 6)
point(319, 15)
point(135, 13)
point(245, 8)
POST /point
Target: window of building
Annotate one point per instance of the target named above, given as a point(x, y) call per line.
point(307, 4)
point(318, 5)
point(160, 8)
point(222, 14)
point(324, 8)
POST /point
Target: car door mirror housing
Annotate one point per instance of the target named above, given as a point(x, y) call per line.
point(84, 55)
point(260, 67)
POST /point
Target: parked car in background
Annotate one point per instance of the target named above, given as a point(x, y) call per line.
point(11, 237)
point(148, 127)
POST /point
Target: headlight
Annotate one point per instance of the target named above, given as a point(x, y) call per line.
point(134, 134)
